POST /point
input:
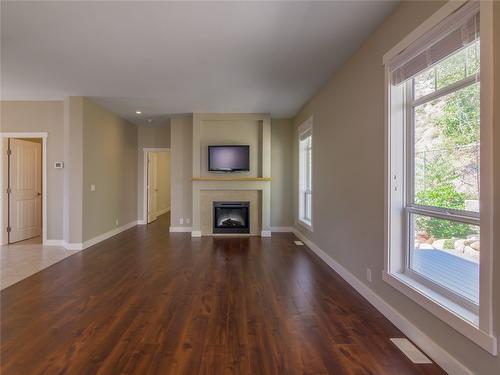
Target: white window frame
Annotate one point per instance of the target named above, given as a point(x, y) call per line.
point(305, 188)
point(476, 325)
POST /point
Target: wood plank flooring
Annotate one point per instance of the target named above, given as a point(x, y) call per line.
point(150, 302)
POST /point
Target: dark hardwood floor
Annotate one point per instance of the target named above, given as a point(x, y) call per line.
point(150, 302)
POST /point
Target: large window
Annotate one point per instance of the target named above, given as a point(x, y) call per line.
point(442, 205)
point(435, 223)
point(305, 174)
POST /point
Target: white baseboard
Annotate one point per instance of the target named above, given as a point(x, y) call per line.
point(107, 235)
point(283, 229)
point(53, 243)
point(73, 245)
point(265, 233)
point(180, 229)
point(196, 233)
point(447, 362)
point(141, 222)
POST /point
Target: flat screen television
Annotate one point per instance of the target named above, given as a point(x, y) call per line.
point(225, 158)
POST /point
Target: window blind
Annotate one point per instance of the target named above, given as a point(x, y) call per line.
point(305, 130)
point(305, 134)
point(455, 32)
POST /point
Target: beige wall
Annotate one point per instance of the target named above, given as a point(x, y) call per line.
point(97, 147)
point(148, 136)
point(163, 181)
point(282, 140)
point(181, 153)
point(42, 116)
point(109, 162)
point(348, 176)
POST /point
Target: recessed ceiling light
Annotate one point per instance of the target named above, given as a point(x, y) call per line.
point(138, 112)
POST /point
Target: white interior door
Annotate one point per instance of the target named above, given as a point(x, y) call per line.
point(25, 196)
point(152, 186)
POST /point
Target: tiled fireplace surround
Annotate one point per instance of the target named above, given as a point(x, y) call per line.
point(208, 197)
point(257, 193)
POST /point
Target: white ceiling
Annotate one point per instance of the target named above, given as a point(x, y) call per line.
point(168, 58)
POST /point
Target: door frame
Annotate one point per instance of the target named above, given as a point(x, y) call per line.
point(3, 201)
point(145, 151)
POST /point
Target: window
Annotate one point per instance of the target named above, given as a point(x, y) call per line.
point(442, 201)
point(305, 174)
point(435, 185)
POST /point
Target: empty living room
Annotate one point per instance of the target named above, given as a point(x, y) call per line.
point(249, 187)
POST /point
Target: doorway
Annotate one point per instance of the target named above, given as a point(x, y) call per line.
point(23, 183)
point(157, 183)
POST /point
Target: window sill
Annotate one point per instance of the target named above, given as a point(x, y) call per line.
point(458, 317)
point(306, 224)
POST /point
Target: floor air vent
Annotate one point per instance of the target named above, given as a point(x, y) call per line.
point(410, 350)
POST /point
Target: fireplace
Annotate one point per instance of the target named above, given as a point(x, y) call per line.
point(231, 217)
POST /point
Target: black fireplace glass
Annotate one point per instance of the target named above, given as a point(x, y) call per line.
point(231, 217)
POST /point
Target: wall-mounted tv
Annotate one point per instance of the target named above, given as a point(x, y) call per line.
point(225, 158)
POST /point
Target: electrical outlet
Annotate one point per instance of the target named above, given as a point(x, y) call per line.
point(116, 222)
point(181, 220)
point(369, 275)
point(92, 187)
point(188, 221)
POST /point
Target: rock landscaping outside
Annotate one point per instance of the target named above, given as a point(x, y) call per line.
point(468, 247)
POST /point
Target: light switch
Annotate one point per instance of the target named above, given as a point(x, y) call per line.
point(92, 187)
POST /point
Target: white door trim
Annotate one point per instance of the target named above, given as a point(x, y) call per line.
point(145, 151)
point(25, 182)
point(43, 135)
point(152, 191)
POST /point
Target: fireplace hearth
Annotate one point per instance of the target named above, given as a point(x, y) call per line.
point(231, 217)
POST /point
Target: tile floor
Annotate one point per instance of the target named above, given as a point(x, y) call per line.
point(23, 259)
